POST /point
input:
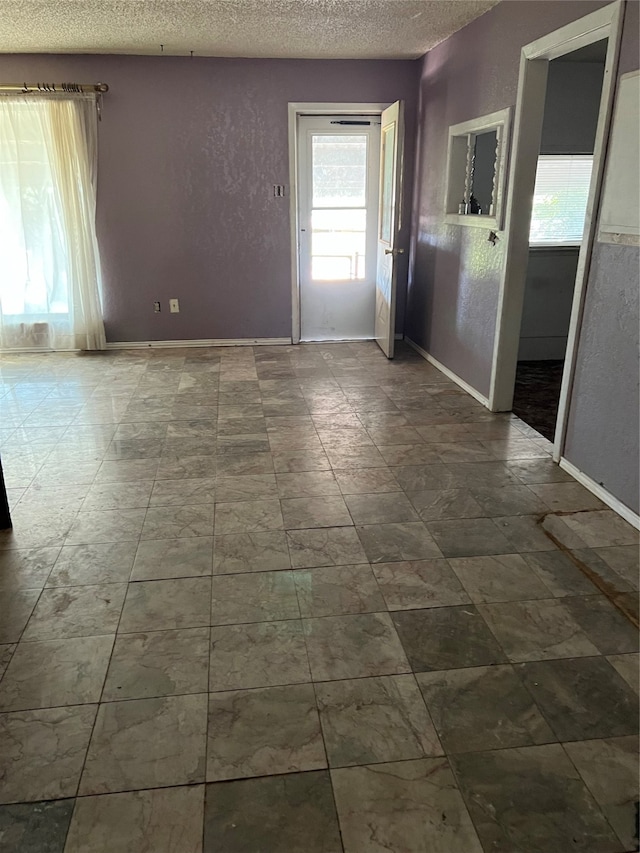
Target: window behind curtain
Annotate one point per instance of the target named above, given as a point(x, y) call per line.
point(560, 199)
point(33, 261)
point(49, 257)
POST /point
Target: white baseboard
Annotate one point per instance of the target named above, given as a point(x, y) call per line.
point(205, 342)
point(600, 492)
point(449, 373)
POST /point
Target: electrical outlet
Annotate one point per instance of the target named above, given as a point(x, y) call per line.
point(156, 307)
point(278, 190)
point(174, 306)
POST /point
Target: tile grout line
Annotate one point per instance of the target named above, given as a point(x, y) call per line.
point(208, 695)
point(591, 793)
point(100, 702)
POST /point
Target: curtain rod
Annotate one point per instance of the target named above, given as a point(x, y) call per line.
point(55, 88)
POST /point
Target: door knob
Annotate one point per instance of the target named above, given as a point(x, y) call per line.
point(394, 251)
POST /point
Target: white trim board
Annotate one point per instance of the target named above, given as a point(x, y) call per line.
point(600, 492)
point(448, 373)
point(619, 239)
point(205, 342)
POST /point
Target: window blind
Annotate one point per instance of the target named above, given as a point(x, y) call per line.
point(560, 199)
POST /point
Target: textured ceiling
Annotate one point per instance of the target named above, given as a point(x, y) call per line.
point(348, 29)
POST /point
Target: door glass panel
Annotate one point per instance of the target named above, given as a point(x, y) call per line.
point(386, 185)
point(338, 215)
point(339, 170)
point(338, 244)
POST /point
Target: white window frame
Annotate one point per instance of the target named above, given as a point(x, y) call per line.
point(460, 145)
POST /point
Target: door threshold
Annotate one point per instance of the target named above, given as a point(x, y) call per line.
point(337, 340)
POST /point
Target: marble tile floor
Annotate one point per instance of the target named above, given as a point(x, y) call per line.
point(302, 600)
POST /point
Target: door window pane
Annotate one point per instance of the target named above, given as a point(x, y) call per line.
point(386, 189)
point(338, 244)
point(339, 170)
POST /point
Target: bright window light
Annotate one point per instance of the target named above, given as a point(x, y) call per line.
point(560, 199)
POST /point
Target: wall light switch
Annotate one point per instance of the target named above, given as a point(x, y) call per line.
point(174, 306)
point(156, 307)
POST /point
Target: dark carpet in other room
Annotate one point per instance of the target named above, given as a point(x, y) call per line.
point(537, 393)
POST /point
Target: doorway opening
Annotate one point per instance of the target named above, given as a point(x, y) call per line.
point(598, 31)
point(563, 178)
point(338, 168)
point(345, 172)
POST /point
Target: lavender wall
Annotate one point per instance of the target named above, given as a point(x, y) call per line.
point(189, 152)
point(453, 289)
point(604, 428)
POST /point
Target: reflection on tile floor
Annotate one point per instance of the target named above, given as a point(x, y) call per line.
point(299, 600)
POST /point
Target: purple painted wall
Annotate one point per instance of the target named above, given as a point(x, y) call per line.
point(189, 152)
point(453, 285)
point(604, 422)
point(453, 289)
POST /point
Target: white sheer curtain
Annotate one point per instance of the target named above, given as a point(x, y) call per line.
point(49, 259)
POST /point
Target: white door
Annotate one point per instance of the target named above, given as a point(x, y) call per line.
point(338, 174)
point(392, 143)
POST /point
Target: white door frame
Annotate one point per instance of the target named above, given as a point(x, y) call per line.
point(297, 109)
point(532, 82)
